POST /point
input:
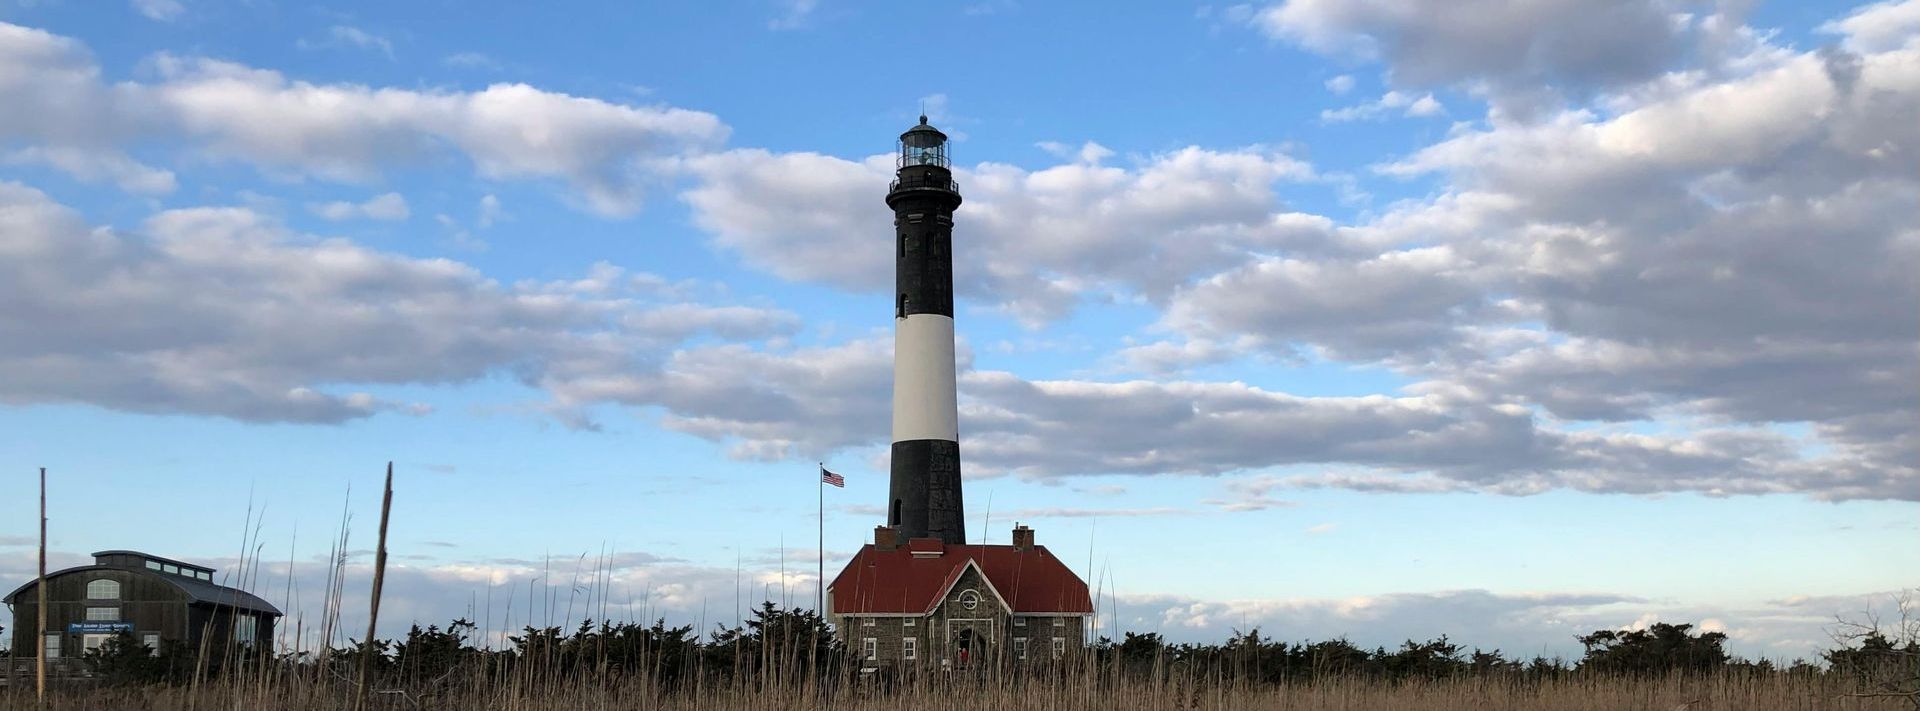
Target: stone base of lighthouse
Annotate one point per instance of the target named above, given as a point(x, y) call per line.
point(926, 487)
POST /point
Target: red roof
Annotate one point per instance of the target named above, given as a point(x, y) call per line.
point(914, 577)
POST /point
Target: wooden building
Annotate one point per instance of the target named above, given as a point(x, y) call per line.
point(929, 603)
point(157, 600)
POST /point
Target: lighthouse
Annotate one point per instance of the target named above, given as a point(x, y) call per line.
point(919, 595)
point(924, 492)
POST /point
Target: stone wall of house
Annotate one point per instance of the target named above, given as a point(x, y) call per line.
point(888, 634)
point(987, 619)
point(1036, 635)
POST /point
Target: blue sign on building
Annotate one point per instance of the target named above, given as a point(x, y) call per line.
point(98, 627)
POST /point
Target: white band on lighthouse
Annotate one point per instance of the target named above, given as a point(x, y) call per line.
point(924, 405)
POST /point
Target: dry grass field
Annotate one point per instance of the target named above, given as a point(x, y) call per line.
point(1719, 692)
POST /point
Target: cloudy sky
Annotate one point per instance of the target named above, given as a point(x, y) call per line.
point(1501, 320)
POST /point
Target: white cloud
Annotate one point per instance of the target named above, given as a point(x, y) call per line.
point(349, 37)
point(1879, 27)
point(794, 14)
point(608, 153)
point(1709, 259)
point(1514, 51)
point(490, 211)
point(1741, 249)
point(99, 167)
point(386, 207)
point(808, 402)
point(161, 10)
point(1406, 104)
point(1038, 241)
point(470, 60)
point(220, 311)
point(1521, 624)
point(1361, 309)
point(1340, 85)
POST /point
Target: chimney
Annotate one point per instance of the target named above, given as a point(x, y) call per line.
point(885, 538)
point(1022, 538)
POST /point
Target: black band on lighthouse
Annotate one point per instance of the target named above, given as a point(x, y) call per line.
point(923, 248)
point(926, 491)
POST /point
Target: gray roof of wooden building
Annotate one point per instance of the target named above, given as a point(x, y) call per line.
point(198, 591)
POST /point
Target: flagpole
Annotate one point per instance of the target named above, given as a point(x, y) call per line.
point(820, 579)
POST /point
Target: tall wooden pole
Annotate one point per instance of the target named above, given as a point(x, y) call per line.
point(379, 577)
point(40, 589)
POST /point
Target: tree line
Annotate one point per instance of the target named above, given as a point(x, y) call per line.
point(778, 645)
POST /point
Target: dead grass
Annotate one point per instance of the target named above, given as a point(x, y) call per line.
point(1725, 692)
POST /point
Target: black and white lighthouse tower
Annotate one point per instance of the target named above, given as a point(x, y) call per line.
point(925, 492)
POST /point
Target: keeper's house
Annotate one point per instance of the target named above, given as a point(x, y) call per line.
point(157, 600)
point(924, 602)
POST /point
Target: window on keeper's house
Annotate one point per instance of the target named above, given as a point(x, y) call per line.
point(909, 648)
point(103, 614)
point(1020, 648)
point(870, 649)
point(1019, 621)
point(52, 646)
point(866, 622)
point(1059, 621)
point(1059, 647)
point(910, 622)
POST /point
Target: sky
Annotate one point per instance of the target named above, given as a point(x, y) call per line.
point(1508, 321)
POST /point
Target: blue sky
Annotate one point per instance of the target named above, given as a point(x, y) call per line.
point(1377, 319)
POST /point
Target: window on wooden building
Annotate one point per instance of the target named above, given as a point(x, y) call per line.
point(90, 642)
point(1020, 648)
point(152, 641)
point(909, 647)
point(153, 565)
point(1059, 647)
point(103, 614)
point(870, 648)
point(243, 629)
point(103, 590)
point(51, 645)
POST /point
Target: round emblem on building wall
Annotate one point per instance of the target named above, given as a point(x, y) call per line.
point(969, 599)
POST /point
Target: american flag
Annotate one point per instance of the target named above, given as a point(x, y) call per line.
point(832, 478)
